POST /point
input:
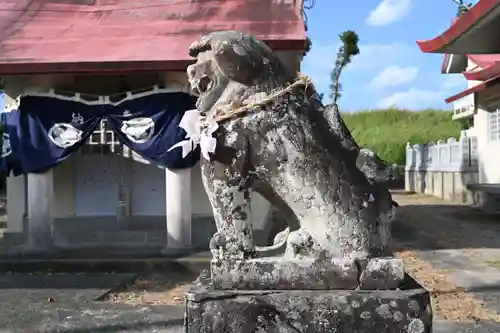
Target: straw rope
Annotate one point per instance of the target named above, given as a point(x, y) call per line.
point(226, 114)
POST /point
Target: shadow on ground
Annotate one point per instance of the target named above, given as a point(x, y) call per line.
point(64, 281)
point(440, 227)
point(95, 280)
point(145, 326)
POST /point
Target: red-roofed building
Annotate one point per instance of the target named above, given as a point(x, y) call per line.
point(106, 47)
point(471, 47)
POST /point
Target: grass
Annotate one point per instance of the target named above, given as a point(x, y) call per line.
point(495, 263)
point(387, 131)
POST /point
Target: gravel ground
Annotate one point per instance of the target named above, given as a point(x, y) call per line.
point(451, 250)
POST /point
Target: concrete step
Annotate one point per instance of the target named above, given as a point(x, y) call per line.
point(12, 239)
point(90, 262)
point(75, 232)
point(130, 223)
point(110, 223)
point(78, 238)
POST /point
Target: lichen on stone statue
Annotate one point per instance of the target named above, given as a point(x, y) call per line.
point(284, 149)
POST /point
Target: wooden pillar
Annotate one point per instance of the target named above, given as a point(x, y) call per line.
point(16, 203)
point(40, 215)
point(178, 187)
point(178, 208)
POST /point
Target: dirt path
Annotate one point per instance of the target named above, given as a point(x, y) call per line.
point(453, 251)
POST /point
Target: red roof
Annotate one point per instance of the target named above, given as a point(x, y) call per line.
point(489, 67)
point(477, 88)
point(484, 60)
point(461, 26)
point(89, 35)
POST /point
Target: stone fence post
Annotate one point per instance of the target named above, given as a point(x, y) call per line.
point(410, 157)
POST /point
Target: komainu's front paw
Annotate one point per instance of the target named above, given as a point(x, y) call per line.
point(217, 245)
point(218, 241)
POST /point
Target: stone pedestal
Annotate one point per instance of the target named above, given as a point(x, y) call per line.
point(407, 310)
point(278, 273)
point(281, 274)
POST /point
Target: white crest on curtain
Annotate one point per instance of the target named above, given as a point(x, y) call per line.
point(64, 135)
point(6, 147)
point(138, 130)
point(191, 123)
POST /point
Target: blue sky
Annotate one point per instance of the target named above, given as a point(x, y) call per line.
point(390, 70)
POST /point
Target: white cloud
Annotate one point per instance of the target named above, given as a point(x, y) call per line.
point(377, 56)
point(320, 60)
point(413, 99)
point(388, 11)
point(393, 76)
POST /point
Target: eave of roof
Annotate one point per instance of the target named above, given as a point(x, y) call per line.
point(489, 67)
point(453, 64)
point(444, 42)
point(477, 88)
point(115, 35)
point(484, 60)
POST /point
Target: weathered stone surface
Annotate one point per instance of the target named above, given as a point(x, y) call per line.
point(283, 148)
point(273, 136)
point(396, 311)
point(382, 273)
point(278, 273)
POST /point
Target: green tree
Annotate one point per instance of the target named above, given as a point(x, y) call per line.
point(347, 50)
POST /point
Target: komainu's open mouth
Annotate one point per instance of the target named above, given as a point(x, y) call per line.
point(203, 85)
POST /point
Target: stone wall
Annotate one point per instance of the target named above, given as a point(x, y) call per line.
point(443, 169)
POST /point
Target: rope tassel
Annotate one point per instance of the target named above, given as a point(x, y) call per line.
point(195, 135)
point(199, 130)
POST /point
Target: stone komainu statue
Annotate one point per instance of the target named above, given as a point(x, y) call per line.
point(275, 138)
point(284, 149)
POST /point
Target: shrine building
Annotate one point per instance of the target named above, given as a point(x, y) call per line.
point(94, 92)
point(472, 50)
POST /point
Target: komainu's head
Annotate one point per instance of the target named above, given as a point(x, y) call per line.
point(231, 66)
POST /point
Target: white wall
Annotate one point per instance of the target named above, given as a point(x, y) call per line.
point(64, 188)
point(488, 156)
point(488, 151)
point(201, 204)
point(472, 66)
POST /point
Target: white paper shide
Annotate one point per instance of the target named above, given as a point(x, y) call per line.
point(195, 135)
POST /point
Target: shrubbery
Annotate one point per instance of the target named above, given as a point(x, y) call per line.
point(386, 132)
